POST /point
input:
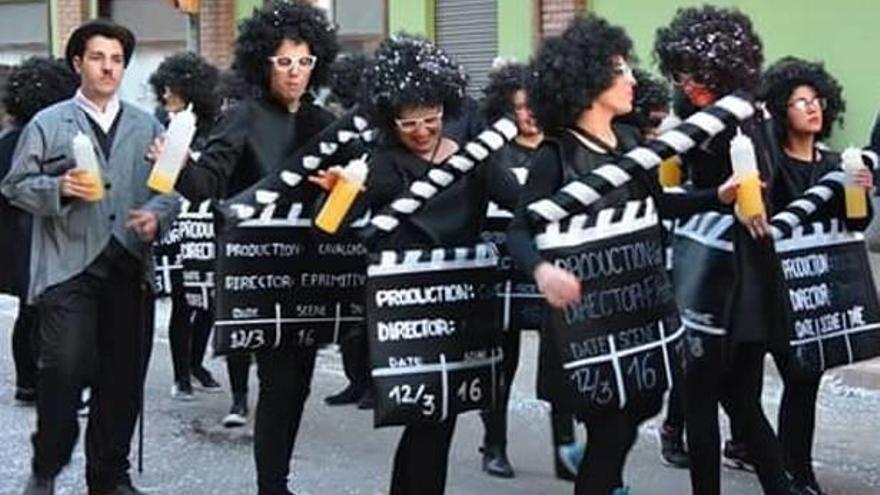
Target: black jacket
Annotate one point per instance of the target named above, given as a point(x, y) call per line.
point(15, 230)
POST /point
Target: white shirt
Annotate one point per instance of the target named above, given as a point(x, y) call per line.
point(103, 119)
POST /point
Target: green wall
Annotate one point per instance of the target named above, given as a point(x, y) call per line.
point(412, 16)
point(842, 33)
point(244, 9)
point(516, 28)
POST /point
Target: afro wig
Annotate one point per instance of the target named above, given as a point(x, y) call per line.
point(35, 84)
point(503, 84)
point(717, 47)
point(652, 95)
point(783, 77)
point(411, 71)
point(191, 78)
point(347, 78)
point(261, 35)
point(571, 70)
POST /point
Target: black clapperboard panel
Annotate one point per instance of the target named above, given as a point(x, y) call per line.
point(621, 341)
point(835, 313)
point(278, 284)
point(166, 257)
point(521, 303)
point(433, 334)
point(198, 254)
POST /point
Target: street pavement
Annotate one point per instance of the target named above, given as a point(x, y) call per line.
point(186, 451)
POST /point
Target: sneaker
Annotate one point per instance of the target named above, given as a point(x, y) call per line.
point(25, 396)
point(206, 381)
point(368, 400)
point(495, 461)
point(806, 488)
point(349, 395)
point(736, 457)
point(182, 391)
point(568, 460)
point(39, 486)
point(672, 450)
point(237, 416)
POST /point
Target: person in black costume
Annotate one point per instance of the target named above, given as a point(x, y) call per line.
point(582, 82)
point(709, 52)
point(30, 87)
point(181, 80)
point(805, 102)
point(283, 50)
point(411, 87)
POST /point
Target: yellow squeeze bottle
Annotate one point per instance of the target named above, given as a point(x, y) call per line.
point(87, 162)
point(856, 201)
point(670, 172)
point(342, 196)
point(180, 133)
point(749, 199)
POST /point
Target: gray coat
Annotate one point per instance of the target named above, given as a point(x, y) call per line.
point(69, 233)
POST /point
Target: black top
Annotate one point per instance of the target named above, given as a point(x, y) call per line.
point(250, 141)
point(515, 159)
point(453, 217)
point(15, 229)
point(569, 155)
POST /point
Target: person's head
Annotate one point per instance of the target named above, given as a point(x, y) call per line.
point(232, 88)
point(184, 79)
point(285, 49)
point(99, 51)
point(709, 52)
point(347, 79)
point(650, 105)
point(34, 85)
point(411, 87)
point(585, 68)
point(802, 97)
point(506, 95)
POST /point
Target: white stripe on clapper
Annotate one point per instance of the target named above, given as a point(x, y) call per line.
point(444, 381)
point(618, 373)
point(505, 325)
point(337, 322)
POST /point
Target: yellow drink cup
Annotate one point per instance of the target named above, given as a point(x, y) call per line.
point(749, 199)
point(337, 205)
point(670, 172)
point(856, 202)
point(161, 182)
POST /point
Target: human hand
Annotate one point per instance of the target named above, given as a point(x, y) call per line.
point(560, 287)
point(145, 223)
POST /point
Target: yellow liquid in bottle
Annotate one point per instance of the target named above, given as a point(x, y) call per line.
point(670, 172)
point(337, 205)
point(748, 196)
point(856, 202)
point(95, 179)
point(161, 182)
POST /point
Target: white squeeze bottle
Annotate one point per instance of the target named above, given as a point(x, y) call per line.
point(856, 202)
point(180, 133)
point(87, 162)
point(745, 170)
point(342, 196)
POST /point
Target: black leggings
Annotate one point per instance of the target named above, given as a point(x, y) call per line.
point(188, 332)
point(797, 420)
point(422, 459)
point(238, 366)
point(708, 379)
point(495, 420)
point(26, 346)
point(609, 439)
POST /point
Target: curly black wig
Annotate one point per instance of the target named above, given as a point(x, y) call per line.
point(784, 76)
point(652, 95)
point(571, 70)
point(717, 47)
point(347, 78)
point(191, 78)
point(503, 84)
point(411, 71)
point(262, 34)
point(232, 89)
point(35, 84)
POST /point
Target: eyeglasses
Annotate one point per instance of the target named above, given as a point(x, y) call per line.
point(412, 125)
point(295, 62)
point(803, 104)
point(622, 69)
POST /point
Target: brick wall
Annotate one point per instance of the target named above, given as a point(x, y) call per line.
point(217, 31)
point(71, 13)
point(556, 14)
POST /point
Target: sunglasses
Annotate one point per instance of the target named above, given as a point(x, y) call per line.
point(296, 62)
point(803, 104)
point(412, 125)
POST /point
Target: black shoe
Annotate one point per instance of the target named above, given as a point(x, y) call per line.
point(736, 457)
point(567, 459)
point(125, 489)
point(237, 416)
point(182, 391)
point(350, 395)
point(205, 380)
point(672, 450)
point(495, 461)
point(806, 488)
point(368, 400)
point(39, 486)
point(25, 396)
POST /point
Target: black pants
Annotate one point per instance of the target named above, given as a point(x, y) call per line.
point(355, 357)
point(610, 437)
point(285, 379)
point(188, 332)
point(495, 420)
point(422, 459)
point(708, 379)
point(25, 346)
point(238, 366)
point(92, 331)
point(797, 420)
